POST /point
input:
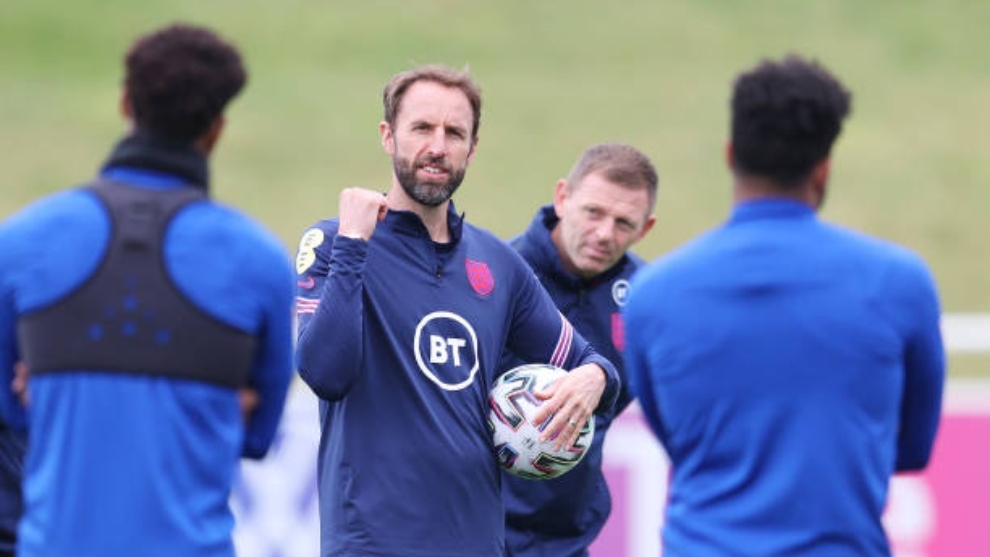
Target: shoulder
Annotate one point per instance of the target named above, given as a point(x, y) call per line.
point(319, 234)
point(481, 244)
point(48, 219)
point(238, 227)
point(73, 204)
point(893, 258)
point(478, 238)
point(682, 260)
point(242, 238)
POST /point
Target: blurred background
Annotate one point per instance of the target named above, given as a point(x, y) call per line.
point(912, 165)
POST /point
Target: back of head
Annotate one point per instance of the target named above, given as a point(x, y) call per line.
point(620, 164)
point(180, 78)
point(396, 89)
point(785, 117)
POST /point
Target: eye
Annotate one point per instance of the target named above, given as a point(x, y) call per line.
point(625, 225)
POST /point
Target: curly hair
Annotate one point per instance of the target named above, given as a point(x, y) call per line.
point(180, 78)
point(785, 117)
point(396, 89)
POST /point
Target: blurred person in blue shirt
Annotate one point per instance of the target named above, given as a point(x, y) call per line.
point(788, 366)
point(154, 325)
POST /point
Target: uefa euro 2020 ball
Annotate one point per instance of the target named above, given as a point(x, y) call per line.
point(512, 404)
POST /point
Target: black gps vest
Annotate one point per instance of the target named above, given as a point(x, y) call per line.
point(129, 317)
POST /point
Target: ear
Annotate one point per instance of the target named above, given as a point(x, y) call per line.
point(647, 226)
point(208, 140)
point(388, 140)
point(821, 171)
point(560, 193)
point(730, 156)
point(474, 148)
point(819, 181)
point(126, 106)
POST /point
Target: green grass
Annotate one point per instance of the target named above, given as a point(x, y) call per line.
point(558, 75)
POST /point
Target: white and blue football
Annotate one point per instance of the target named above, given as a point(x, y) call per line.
point(512, 404)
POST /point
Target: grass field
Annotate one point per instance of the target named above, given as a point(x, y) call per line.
point(911, 166)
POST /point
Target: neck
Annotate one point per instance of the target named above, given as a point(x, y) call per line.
point(434, 218)
point(755, 188)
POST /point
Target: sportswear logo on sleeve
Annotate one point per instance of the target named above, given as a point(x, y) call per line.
point(307, 244)
point(480, 276)
point(306, 305)
point(306, 283)
point(563, 343)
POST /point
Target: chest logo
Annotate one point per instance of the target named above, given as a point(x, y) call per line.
point(480, 276)
point(446, 348)
point(620, 292)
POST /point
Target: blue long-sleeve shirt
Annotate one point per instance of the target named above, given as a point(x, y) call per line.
point(561, 517)
point(121, 464)
point(789, 367)
point(400, 337)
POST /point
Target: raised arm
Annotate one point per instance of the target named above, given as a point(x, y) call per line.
point(330, 302)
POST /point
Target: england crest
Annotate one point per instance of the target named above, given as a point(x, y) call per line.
point(480, 276)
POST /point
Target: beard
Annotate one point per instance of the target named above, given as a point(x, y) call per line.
point(431, 193)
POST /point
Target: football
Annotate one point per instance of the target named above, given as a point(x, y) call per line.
point(516, 439)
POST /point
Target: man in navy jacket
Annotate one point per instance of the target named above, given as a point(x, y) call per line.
point(578, 248)
point(404, 311)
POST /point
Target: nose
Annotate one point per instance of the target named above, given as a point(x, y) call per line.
point(604, 231)
point(437, 145)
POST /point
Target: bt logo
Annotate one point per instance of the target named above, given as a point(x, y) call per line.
point(446, 349)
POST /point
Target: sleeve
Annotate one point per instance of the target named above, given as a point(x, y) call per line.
point(638, 331)
point(330, 309)
point(272, 371)
point(924, 376)
point(540, 333)
point(11, 411)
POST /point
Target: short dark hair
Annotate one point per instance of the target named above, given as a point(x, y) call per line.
point(180, 78)
point(620, 164)
point(396, 88)
point(785, 117)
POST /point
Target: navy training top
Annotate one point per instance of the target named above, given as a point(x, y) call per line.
point(400, 337)
point(561, 517)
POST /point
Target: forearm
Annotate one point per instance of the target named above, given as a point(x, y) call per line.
point(330, 350)
point(611, 392)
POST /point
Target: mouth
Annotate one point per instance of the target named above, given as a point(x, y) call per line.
point(434, 168)
point(598, 255)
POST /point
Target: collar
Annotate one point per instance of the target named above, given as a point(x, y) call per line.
point(145, 151)
point(770, 208)
point(409, 223)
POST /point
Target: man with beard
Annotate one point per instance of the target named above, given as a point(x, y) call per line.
point(404, 310)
